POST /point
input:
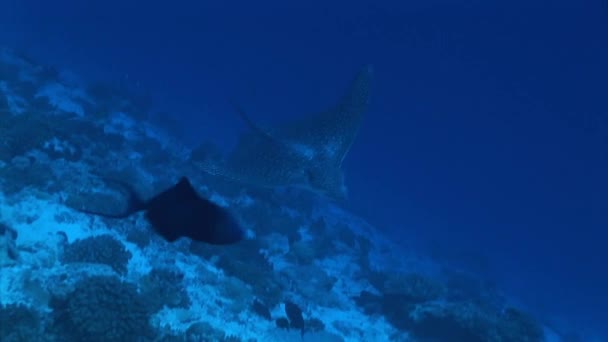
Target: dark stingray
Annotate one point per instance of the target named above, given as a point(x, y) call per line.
point(180, 212)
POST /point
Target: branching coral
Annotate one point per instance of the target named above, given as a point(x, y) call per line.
point(102, 249)
point(103, 309)
point(20, 323)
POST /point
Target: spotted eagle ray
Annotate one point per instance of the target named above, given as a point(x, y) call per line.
point(306, 153)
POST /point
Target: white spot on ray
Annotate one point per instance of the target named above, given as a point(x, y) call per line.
point(331, 150)
point(304, 150)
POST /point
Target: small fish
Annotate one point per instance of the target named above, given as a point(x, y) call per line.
point(181, 212)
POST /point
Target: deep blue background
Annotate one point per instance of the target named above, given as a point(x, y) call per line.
point(486, 140)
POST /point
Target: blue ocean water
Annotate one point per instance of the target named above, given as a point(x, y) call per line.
point(484, 147)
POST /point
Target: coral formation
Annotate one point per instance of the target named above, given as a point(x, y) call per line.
point(468, 322)
point(102, 249)
point(164, 287)
point(246, 263)
point(21, 323)
point(103, 309)
point(9, 254)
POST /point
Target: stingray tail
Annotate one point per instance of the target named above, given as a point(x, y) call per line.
point(261, 132)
